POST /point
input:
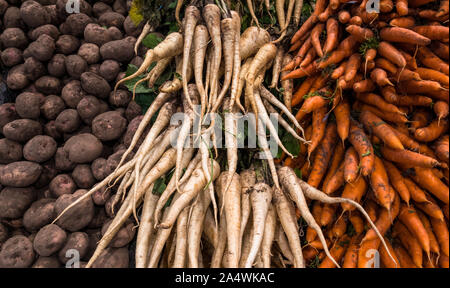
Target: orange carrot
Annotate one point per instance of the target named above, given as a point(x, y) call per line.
point(319, 124)
point(441, 147)
point(403, 257)
point(372, 207)
point(414, 100)
point(357, 222)
point(364, 86)
point(441, 110)
point(378, 101)
point(386, 65)
point(443, 10)
point(351, 69)
point(316, 211)
point(430, 60)
point(364, 148)
point(387, 116)
point(404, 22)
point(337, 252)
point(336, 159)
point(379, 182)
point(440, 229)
point(397, 181)
point(312, 103)
point(354, 191)
point(366, 255)
point(332, 36)
point(386, 260)
point(409, 242)
point(389, 94)
point(351, 163)
point(440, 49)
point(360, 34)
point(444, 261)
point(417, 194)
point(344, 16)
point(382, 130)
point(355, 20)
point(300, 72)
point(342, 114)
point(433, 32)
point(434, 245)
point(307, 25)
point(431, 209)
point(336, 181)
point(315, 38)
point(409, 158)
point(302, 91)
point(420, 119)
point(351, 255)
point(409, 218)
point(384, 220)
point(403, 35)
point(338, 229)
point(380, 77)
point(392, 54)
point(430, 74)
point(327, 214)
point(427, 180)
point(432, 131)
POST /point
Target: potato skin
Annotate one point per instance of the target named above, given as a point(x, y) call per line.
point(40, 213)
point(109, 70)
point(88, 108)
point(67, 44)
point(62, 161)
point(123, 236)
point(72, 93)
point(4, 234)
point(12, 19)
point(17, 78)
point(50, 239)
point(77, 217)
point(10, 151)
point(8, 114)
point(17, 252)
point(13, 37)
point(34, 14)
point(90, 53)
point(109, 126)
point(48, 85)
point(113, 258)
point(49, 29)
point(98, 168)
point(95, 85)
point(94, 33)
point(40, 149)
point(15, 201)
point(115, 33)
point(78, 241)
point(48, 173)
point(101, 196)
point(11, 56)
point(61, 185)
point(68, 121)
point(111, 19)
point(119, 50)
point(52, 106)
point(43, 48)
point(57, 65)
point(27, 105)
point(83, 148)
point(20, 174)
point(22, 130)
point(82, 175)
point(120, 99)
point(75, 66)
point(99, 8)
point(46, 262)
point(77, 22)
point(34, 68)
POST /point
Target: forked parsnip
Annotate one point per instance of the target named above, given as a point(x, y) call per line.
point(289, 229)
point(251, 10)
point(146, 230)
point(171, 46)
point(251, 40)
point(260, 198)
point(241, 81)
point(158, 70)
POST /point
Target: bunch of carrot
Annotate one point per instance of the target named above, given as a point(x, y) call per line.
point(374, 101)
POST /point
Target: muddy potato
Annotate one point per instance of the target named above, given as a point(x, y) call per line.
point(75, 66)
point(137, 61)
point(17, 78)
point(67, 44)
point(119, 50)
point(62, 184)
point(113, 258)
point(120, 6)
point(99, 219)
point(17, 252)
point(49, 29)
point(109, 126)
point(99, 8)
point(82, 175)
point(43, 48)
point(40, 213)
point(49, 240)
point(50, 130)
point(77, 241)
point(48, 173)
point(10, 151)
point(57, 65)
point(13, 37)
point(34, 68)
point(77, 22)
point(51, 107)
point(68, 121)
point(15, 201)
point(88, 109)
point(123, 236)
point(22, 130)
point(4, 234)
point(94, 33)
point(34, 14)
point(20, 174)
point(94, 68)
point(39, 149)
point(101, 196)
point(12, 19)
point(48, 85)
point(120, 99)
point(11, 56)
point(98, 168)
point(131, 130)
point(109, 19)
point(27, 105)
point(7, 114)
point(85, 8)
point(95, 85)
point(46, 262)
point(131, 29)
point(62, 161)
point(109, 70)
point(72, 93)
point(89, 52)
point(115, 33)
point(83, 148)
point(78, 216)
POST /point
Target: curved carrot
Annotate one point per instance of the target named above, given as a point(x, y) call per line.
point(434, 245)
point(354, 191)
point(332, 35)
point(378, 127)
point(386, 260)
point(351, 163)
point(336, 181)
point(319, 124)
point(409, 242)
point(404, 22)
point(403, 35)
point(387, 116)
point(430, 60)
point(364, 148)
point(432, 131)
point(297, 98)
point(360, 34)
point(335, 162)
point(397, 181)
point(315, 38)
point(431, 74)
point(379, 182)
point(342, 114)
point(337, 251)
point(428, 180)
point(380, 77)
point(417, 194)
point(433, 32)
point(409, 217)
point(404, 258)
point(441, 231)
point(410, 158)
point(351, 255)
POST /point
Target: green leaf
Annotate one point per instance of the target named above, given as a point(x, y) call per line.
point(151, 40)
point(159, 186)
point(142, 88)
point(298, 172)
point(291, 144)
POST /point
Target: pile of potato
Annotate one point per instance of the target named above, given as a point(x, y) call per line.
point(66, 130)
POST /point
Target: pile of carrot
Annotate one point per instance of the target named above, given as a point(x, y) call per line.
point(372, 93)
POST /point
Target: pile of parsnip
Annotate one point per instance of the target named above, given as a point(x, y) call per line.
point(214, 213)
point(374, 103)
